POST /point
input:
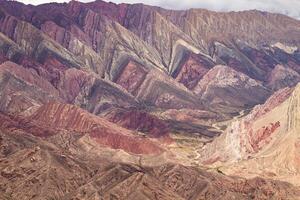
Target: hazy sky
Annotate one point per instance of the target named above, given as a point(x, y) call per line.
point(288, 7)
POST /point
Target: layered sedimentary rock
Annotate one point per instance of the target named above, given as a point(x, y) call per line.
point(131, 77)
point(55, 118)
point(63, 59)
point(22, 89)
point(264, 142)
point(139, 120)
point(225, 89)
point(246, 137)
point(191, 69)
point(119, 101)
point(67, 117)
point(254, 27)
point(240, 60)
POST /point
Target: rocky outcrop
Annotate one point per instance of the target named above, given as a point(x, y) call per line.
point(273, 101)
point(101, 95)
point(72, 83)
point(125, 45)
point(56, 118)
point(230, 54)
point(160, 33)
point(71, 86)
point(28, 76)
point(76, 42)
point(261, 136)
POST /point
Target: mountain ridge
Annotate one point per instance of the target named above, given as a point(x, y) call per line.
point(137, 102)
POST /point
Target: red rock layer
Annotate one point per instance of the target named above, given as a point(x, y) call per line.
point(139, 120)
point(192, 70)
point(113, 11)
point(247, 135)
point(55, 32)
point(132, 76)
point(53, 118)
point(68, 117)
point(51, 169)
point(276, 99)
point(255, 140)
point(50, 74)
point(262, 136)
point(8, 25)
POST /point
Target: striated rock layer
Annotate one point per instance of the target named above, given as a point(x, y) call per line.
point(226, 90)
point(117, 101)
point(264, 142)
point(56, 117)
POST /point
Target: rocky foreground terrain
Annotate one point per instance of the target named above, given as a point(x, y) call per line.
point(117, 101)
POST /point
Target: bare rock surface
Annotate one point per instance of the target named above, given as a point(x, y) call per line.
point(129, 101)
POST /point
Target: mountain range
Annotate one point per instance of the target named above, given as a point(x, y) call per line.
point(129, 101)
